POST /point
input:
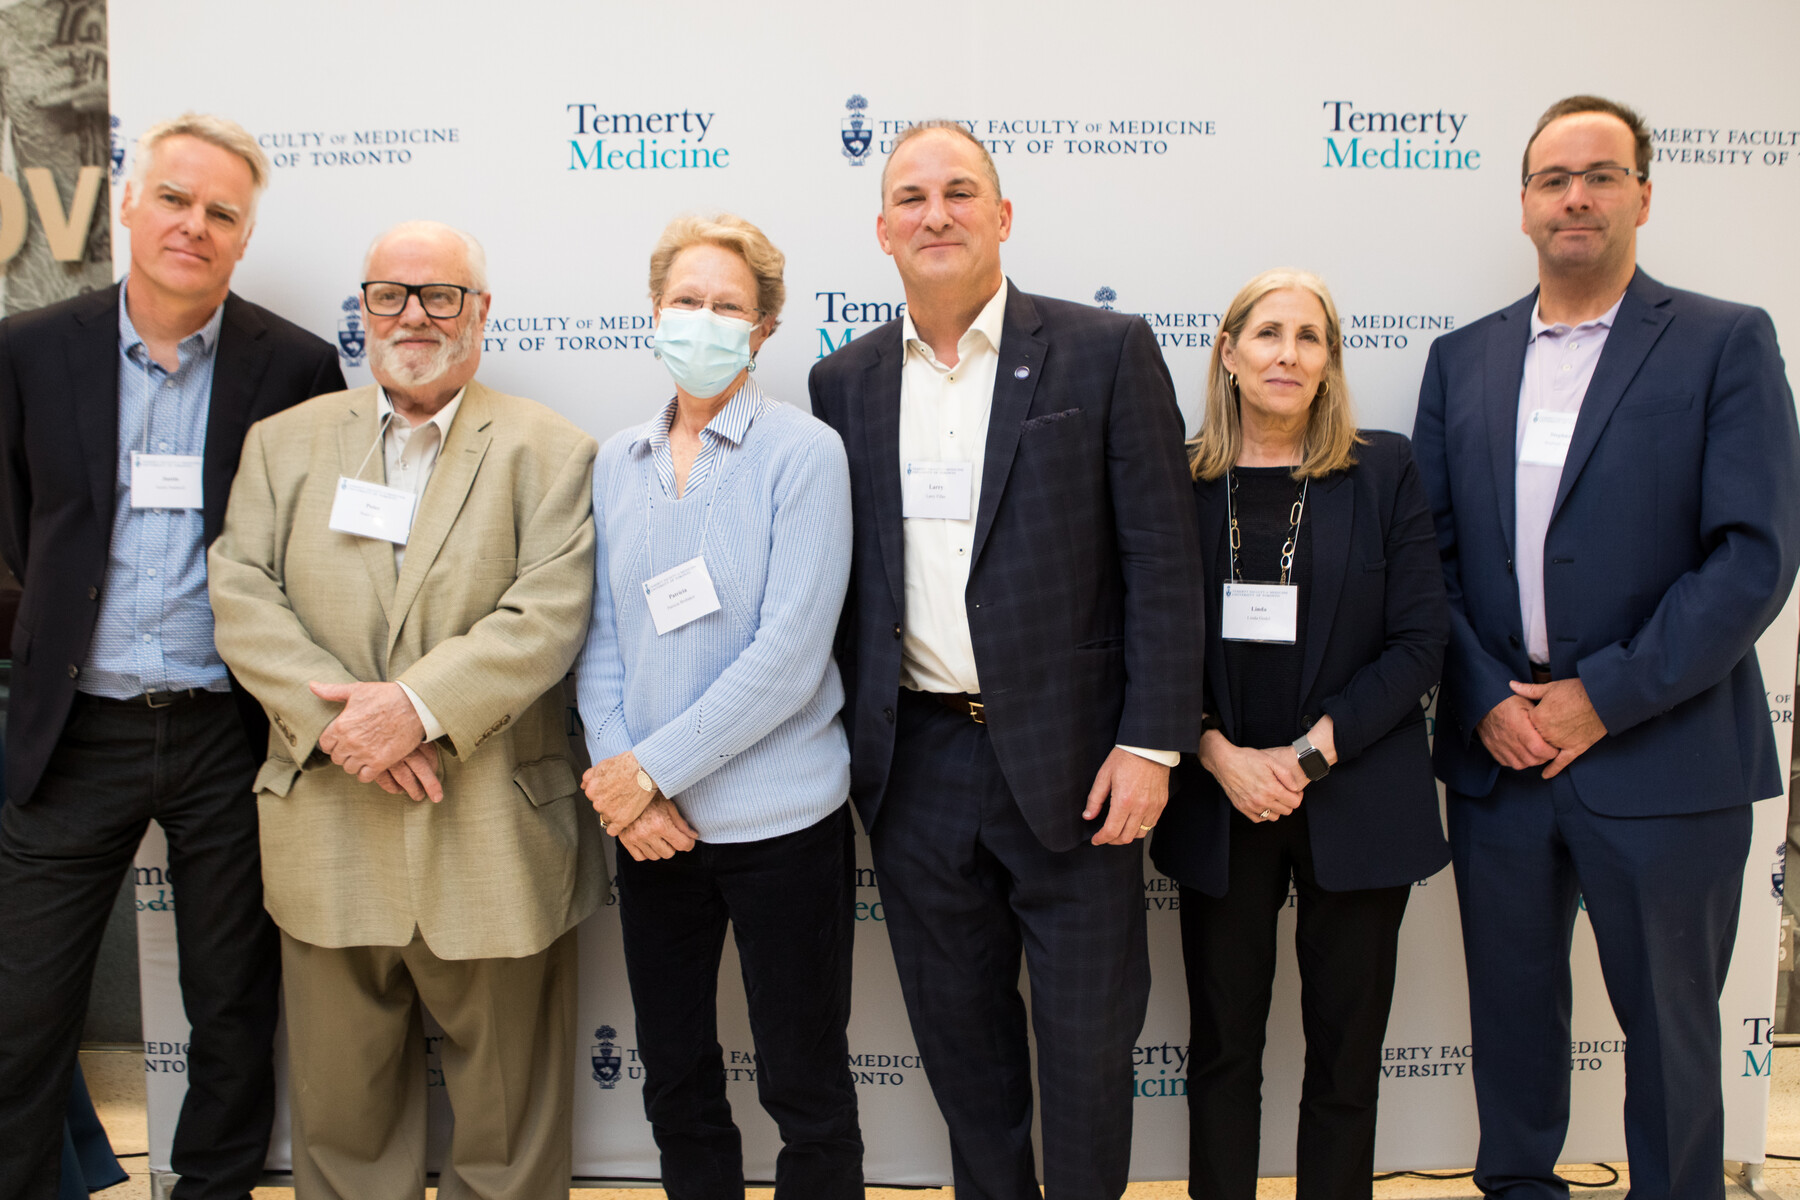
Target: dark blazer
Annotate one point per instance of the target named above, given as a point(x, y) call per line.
point(59, 446)
point(1084, 582)
point(1375, 631)
point(1671, 547)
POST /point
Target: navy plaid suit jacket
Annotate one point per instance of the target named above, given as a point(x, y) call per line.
point(1084, 595)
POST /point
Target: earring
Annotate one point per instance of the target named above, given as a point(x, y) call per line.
point(656, 352)
point(1233, 379)
point(1324, 387)
point(752, 367)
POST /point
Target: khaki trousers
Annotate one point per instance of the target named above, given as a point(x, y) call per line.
point(356, 1079)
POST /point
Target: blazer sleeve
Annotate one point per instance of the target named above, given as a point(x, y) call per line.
point(781, 668)
point(1159, 551)
point(1710, 618)
point(15, 475)
point(600, 671)
point(1415, 620)
point(256, 630)
point(1478, 679)
point(513, 655)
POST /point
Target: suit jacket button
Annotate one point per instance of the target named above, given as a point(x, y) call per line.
point(896, 632)
point(74, 670)
point(1512, 641)
point(888, 715)
point(93, 593)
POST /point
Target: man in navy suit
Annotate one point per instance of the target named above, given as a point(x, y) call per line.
point(1021, 653)
point(1614, 469)
point(122, 413)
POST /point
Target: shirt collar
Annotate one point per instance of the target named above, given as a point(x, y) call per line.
point(207, 333)
point(384, 408)
point(1603, 321)
point(988, 323)
point(731, 423)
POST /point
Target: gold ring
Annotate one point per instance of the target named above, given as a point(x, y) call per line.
point(1145, 828)
point(1266, 813)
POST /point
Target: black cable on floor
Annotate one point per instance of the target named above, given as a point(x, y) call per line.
point(1611, 1170)
point(1783, 1157)
point(1466, 1174)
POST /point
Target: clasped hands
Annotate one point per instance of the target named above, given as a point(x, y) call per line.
point(647, 824)
point(1264, 785)
point(1541, 723)
point(379, 738)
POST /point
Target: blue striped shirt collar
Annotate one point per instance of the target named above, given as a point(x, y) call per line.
point(129, 341)
point(730, 424)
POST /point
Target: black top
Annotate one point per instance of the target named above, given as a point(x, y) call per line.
point(1265, 676)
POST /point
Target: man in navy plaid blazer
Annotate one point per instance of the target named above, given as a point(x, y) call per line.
point(1021, 655)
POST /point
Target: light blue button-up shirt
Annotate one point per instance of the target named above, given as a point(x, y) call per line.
point(155, 628)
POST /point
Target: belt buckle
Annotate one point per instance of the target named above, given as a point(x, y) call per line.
point(975, 707)
point(150, 700)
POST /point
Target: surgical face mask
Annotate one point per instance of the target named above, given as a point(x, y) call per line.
point(702, 350)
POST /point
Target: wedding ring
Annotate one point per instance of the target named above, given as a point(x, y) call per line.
point(1145, 828)
point(1267, 813)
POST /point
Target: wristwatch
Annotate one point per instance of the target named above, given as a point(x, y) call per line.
point(644, 781)
point(1312, 759)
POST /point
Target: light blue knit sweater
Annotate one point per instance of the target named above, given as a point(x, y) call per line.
point(735, 715)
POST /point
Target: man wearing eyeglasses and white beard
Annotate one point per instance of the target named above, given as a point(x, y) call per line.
point(1614, 469)
point(403, 582)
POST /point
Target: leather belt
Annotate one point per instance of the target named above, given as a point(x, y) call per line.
point(164, 699)
point(961, 703)
point(1540, 674)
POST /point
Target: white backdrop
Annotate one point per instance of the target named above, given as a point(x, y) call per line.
point(1158, 155)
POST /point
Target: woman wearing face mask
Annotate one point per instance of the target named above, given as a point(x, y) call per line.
point(1326, 623)
point(710, 701)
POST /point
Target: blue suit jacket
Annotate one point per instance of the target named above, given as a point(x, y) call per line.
point(59, 453)
point(1672, 545)
point(1375, 633)
point(1084, 582)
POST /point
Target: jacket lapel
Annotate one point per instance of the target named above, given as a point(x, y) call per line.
point(1505, 372)
point(1020, 350)
point(238, 368)
point(356, 437)
point(1210, 504)
point(1642, 318)
point(470, 435)
point(93, 352)
point(880, 420)
point(1331, 509)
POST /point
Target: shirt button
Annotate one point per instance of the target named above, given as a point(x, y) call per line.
point(74, 670)
point(152, 572)
point(93, 593)
point(146, 637)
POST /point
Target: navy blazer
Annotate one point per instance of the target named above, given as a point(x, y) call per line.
point(59, 447)
point(1375, 631)
point(1671, 546)
point(1084, 578)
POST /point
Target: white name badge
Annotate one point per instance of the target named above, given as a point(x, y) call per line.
point(680, 595)
point(1259, 612)
point(1547, 437)
point(372, 511)
point(165, 481)
point(936, 490)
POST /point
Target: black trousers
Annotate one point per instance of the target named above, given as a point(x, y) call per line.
point(1662, 896)
point(63, 857)
point(790, 903)
point(967, 886)
point(1346, 943)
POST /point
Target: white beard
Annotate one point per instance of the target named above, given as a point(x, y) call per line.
point(406, 370)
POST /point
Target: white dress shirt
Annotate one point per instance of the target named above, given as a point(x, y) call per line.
point(944, 419)
point(410, 452)
point(1559, 366)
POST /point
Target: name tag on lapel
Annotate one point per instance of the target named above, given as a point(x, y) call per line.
point(373, 511)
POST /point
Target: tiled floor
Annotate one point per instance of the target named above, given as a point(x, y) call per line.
point(116, 1078)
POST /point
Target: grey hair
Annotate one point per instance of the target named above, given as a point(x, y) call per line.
point(219, 131)
point(477, 257)
point(953, 127)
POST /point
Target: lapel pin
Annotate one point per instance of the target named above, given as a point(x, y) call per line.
point(1022, 373)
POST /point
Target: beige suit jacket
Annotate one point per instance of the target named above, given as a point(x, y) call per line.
point(482, 622)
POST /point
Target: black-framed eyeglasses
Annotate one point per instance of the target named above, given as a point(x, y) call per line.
point(387, 298)
point(1555, 180)
point(720, 308)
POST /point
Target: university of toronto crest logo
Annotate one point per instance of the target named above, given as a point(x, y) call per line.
point(117, 152)
point(858, 132)
point(353, 339)
point(606, 1058)
point(1104, 297)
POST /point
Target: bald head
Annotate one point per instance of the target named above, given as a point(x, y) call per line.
point(473, 257)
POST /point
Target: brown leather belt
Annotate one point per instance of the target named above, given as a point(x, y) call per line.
point(961, 703)
point(166, 699)
point(1540, 674)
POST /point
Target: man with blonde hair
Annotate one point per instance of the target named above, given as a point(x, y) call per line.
point(121, 415)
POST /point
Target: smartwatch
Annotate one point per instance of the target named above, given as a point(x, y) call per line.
point(1312, 759)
